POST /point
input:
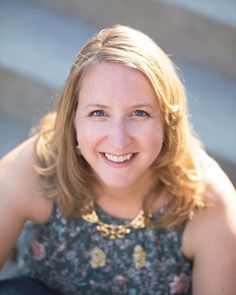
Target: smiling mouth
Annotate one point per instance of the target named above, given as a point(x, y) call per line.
point(118, 159)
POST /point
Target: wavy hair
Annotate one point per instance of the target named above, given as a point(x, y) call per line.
point(67, 176)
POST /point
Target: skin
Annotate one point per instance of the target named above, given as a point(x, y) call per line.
point(118, 114)
point(210, 237)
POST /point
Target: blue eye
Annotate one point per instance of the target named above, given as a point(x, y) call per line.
point(140, 113)
point(98, 113)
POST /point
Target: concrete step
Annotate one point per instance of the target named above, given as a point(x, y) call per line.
point(39, 43)
point(38, 46)
point(23, 97)
point(200, 31)
point(13, 131)
point(216, 10)
point(9, 270)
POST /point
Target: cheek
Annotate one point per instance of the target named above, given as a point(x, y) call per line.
point(157, 141)
point(87, 133)
point(152, 135)
point(154, 142)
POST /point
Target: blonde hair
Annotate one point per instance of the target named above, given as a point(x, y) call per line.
point(68, 177)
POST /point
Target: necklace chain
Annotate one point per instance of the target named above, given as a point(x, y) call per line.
point(113, 231)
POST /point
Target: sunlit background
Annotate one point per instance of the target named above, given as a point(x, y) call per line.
point(40, 38)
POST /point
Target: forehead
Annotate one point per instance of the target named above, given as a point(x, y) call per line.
point(116, 82)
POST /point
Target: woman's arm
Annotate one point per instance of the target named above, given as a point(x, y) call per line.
point(20, 196)
point(210, 238)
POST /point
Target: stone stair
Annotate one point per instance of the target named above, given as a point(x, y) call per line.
point(199, 31)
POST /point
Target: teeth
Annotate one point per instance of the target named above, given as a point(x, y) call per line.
point(118, 159)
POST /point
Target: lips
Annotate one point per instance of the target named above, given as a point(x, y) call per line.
point(118, 158)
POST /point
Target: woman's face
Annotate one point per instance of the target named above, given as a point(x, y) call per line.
point(118, 124)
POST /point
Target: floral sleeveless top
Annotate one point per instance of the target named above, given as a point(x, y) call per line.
point(71, 257)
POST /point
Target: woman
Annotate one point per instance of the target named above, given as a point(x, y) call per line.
point(119, 195)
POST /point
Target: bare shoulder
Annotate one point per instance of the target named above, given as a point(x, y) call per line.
point(210, 237)
point(19, 184)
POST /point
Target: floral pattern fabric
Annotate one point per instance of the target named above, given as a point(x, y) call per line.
point(71, 257)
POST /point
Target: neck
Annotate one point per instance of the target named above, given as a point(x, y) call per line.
point(124, 202)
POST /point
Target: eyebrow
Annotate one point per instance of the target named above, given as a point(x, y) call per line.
point(143, 105)
point(98, 105)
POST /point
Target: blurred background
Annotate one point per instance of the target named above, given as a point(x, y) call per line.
point(40, 38)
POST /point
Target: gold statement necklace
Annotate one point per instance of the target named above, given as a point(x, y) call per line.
point(113, 231)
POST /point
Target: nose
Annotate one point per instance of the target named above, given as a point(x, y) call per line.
point(119, 135)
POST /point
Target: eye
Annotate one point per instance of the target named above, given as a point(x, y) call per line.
point(98, 113)
point(140, 113)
